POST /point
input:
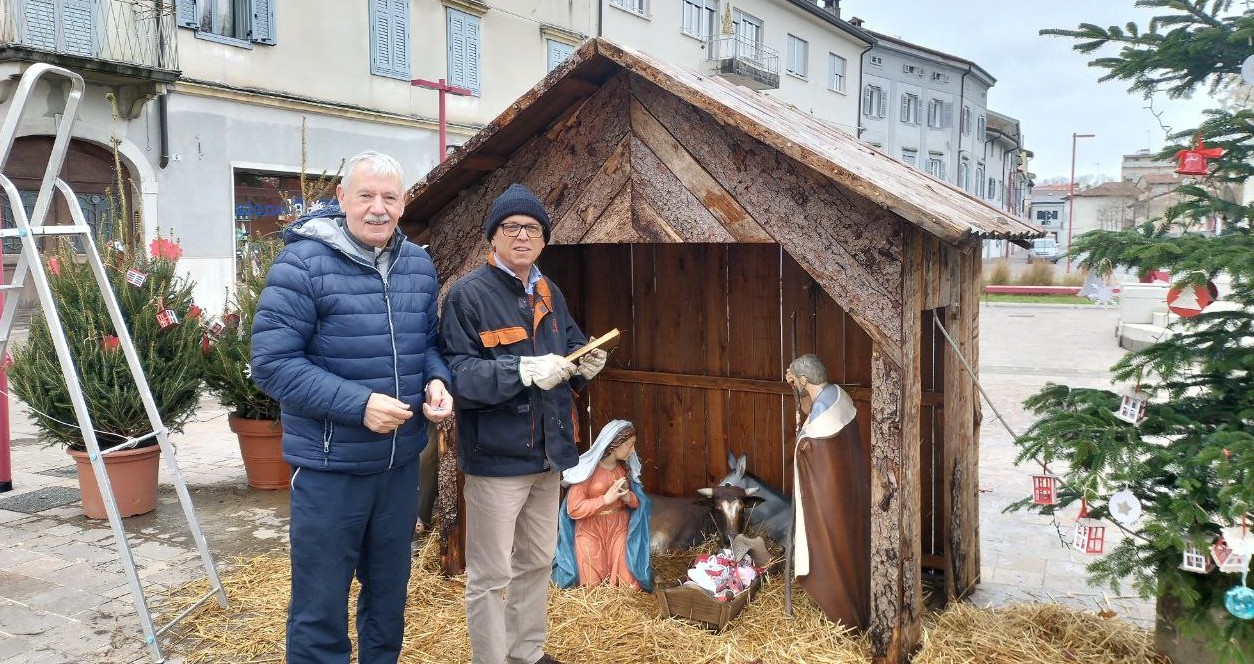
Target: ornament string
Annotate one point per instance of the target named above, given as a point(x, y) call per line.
point(998, 416)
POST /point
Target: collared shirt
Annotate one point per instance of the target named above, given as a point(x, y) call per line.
point(532, 277)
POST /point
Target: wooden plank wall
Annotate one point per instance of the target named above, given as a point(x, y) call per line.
point(708, 332)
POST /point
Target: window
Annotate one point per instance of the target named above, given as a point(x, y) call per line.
point(700, 18)
point(70, 26)
point(913, 70)
point(994, 189)
point(936, 113)
point(1046, 216)
point(749, 32)
point(798, 54)
point(873, 103)
point(940, 77)
point(979, 128)
point(936, 166)
point(966, 120)
point(835, 73)
point(558, 52)
point(979, 181)
point(910, 156)
point(228, 20)
point(877, 61)
point(463, 50)
point(964, 174)
point(634, 6)
point(389, 38)
point(911, 107)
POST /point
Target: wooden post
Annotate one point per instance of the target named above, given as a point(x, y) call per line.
point(961, 461)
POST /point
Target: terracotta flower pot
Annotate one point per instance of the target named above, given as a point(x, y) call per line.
point(261, 445)
point(132, 477)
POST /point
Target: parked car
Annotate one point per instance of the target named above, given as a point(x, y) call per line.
point(1043, 249)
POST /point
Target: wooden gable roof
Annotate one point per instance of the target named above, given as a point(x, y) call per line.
point(943, 211)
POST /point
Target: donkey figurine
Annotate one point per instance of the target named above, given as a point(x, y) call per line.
point(773, 514)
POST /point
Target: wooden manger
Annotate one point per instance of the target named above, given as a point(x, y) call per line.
point(724, 233)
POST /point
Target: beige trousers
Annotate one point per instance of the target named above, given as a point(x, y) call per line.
point(511, 534)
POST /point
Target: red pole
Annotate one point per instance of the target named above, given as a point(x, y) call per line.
point(443, 88)
point(6, 461)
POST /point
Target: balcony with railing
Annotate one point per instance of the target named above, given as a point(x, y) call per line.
point(743, 61)
point(111, 41)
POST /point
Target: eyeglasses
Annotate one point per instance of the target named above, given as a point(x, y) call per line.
point(512, 230)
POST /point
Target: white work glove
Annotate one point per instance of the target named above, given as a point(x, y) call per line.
point(591, 364)
point(546, 371)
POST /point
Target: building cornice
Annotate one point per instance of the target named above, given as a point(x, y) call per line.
point(558, 33)
point(302, 104)
point(473, 7)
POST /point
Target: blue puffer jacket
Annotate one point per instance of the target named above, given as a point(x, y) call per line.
point(335, 324)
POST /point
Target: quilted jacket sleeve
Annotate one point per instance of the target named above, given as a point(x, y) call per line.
point(285, 323)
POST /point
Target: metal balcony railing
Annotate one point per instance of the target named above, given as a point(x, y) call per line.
point(140, 33)
point(744, 61)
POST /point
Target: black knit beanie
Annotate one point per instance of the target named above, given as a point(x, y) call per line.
point(518, 199)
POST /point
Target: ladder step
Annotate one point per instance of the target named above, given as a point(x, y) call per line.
point(48, 231)
point(9, 287)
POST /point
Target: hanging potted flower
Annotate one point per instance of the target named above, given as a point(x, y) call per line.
point(157, 305)
point(227, 352)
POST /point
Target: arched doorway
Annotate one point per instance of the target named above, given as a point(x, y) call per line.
point(89, 169)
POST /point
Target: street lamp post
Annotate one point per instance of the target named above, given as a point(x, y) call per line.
point(1071, 197)
point(443, 88)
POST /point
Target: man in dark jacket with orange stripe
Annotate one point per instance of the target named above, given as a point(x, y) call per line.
point(504, 331)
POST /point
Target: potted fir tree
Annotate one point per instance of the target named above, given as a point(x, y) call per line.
point(163, 323)
point(227, 353)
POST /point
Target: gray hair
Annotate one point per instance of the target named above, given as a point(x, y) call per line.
point(809, 367)
point(377, 162)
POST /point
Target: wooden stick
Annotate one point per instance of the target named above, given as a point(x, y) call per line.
point(609, 339)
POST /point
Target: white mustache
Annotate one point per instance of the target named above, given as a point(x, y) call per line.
point(376, 219)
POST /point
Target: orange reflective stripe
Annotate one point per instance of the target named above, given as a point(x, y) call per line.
point(543, 303)
point(502, 337)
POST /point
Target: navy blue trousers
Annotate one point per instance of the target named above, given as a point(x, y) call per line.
point(344, 525)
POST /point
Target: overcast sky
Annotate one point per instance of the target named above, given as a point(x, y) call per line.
point(1040, 81)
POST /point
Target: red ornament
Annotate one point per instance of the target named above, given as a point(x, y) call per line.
point(1193, 162)
point(165, 248)
point(166, 318)
point(1189, 301)
point(136, 277)
point(1156, 275)
point(205, 344)
point(194, 311)
point(54, 266)
point(110, 342)
point(1044, 489)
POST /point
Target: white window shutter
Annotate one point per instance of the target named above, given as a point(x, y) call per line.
point(883, 105)
point(905, 107)
point(866, 100)
point(186, 13)
point(380, 37)
point(263, 22)
point(948, 122)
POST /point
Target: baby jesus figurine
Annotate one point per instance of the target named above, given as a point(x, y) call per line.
point(603, 525)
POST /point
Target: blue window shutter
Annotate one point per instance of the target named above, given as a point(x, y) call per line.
point(380, 37)
point(78, 27)
point(41, 24)
point(472, 53)
point(263, 22)
point(457, 48)
point(558, 52)
point(400, 37)
point(186, 13)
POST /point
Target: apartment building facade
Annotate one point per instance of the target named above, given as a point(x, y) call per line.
point(212, 95)
point(930, 109)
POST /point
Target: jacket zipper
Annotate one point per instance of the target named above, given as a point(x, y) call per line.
point(396, 369)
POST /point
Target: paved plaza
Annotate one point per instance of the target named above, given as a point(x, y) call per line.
point(64, 598)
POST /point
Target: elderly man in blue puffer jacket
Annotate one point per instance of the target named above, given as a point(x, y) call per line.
point(346, 338)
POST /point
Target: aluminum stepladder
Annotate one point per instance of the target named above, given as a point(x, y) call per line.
point(29, 262)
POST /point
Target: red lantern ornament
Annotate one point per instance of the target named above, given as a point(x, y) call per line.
point(1193, 162)
point(1044, 488)
point(136, 278)
point(194, 311)
point(1090, 535)
point(166, 318)
point(1189, 301)
point(110, 342)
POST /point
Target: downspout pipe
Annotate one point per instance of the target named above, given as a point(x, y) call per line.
point(861, 81)
point(163, 111)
